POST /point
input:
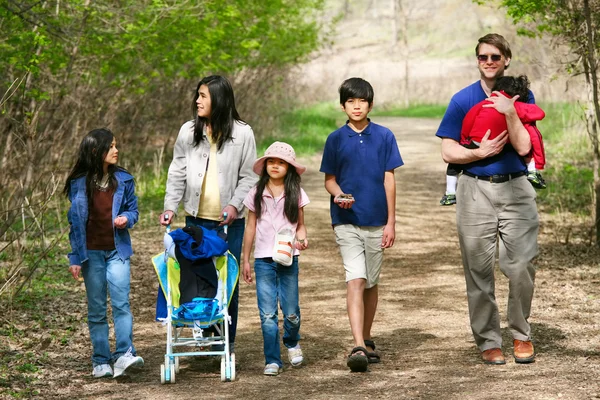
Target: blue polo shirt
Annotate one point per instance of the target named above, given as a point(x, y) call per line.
point(505, 162)
point(359, 162)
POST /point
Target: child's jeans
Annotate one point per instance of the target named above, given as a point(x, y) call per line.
point(103, 270)
point(275, 282)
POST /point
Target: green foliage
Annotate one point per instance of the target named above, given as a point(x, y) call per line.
point(18, 373)
point(305, 129)
point(568, 171)
point(154, 41)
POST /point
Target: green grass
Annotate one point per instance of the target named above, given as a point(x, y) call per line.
point(305, 129)
point(414, 111)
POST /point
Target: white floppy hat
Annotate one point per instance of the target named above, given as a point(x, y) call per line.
point(282, 151)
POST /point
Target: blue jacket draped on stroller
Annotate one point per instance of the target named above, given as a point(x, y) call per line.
point(197, 276)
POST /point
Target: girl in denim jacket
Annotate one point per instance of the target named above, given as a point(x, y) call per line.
point(103, 207)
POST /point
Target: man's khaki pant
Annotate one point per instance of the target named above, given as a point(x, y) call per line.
point(487, 211)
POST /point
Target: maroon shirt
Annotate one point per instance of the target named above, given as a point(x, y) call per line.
point(100, 232)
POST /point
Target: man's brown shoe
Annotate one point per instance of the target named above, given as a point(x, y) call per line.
point(523, 351)
point(493, 356)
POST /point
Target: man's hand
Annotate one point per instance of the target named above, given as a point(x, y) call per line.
point(501, 103)
point(488, 147)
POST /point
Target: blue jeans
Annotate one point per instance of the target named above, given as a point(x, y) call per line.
point(103, 270)
point(235, 238)
point(275, 282)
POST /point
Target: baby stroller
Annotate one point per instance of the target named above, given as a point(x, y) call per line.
point(186, 322)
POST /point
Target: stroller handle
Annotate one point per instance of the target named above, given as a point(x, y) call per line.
point(166, 218)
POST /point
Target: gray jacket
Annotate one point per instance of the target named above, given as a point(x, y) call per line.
point(234, 163)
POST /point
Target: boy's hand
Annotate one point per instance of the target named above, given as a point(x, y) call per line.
point(120, 222)
point(247, 272)
point(389, 236)
point(344, 200)
point(302, 244)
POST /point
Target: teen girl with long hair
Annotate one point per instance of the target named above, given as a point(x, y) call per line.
point(211, 172)
point(103, 208)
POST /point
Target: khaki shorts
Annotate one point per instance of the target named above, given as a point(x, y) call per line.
point(362, 254)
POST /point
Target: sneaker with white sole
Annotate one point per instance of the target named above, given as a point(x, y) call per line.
point(295, 356)
point(126, 361)
point(272, 369)
point(102, 371)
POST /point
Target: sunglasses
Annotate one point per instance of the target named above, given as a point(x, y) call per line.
point(484, 57)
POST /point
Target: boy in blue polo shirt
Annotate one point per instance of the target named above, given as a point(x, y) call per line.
point(359, 161)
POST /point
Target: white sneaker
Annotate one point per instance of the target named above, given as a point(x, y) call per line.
point(126, 361)
point(295, 356)
point(272, 369)
point(102, 371)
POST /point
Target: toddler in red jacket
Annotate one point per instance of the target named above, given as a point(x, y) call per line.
point(479, 119)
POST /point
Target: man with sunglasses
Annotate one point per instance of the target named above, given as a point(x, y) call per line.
point(494, 201)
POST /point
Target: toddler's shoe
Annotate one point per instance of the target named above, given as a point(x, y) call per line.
point(535, 178)
point(448, 200)
point(126, 361)
point(272, 369)
point(102, 371)
point(295, 356)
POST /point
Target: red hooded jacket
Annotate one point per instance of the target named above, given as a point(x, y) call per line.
point(479, 119)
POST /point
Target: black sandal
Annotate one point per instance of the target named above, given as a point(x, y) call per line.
point(358, 362)
point(372, 356)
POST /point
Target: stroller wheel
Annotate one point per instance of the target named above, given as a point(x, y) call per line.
point(223, 369)
point(177, 365)
point(232, 366)
point(172, 368)
point(163, 378)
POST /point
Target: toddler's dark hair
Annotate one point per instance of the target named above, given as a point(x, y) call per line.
point(513, 86)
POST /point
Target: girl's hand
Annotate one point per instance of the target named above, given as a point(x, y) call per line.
point(120, 222)
point(302, 244)
point(231, 215)
point(247, 272)
point(166, 218)
point(75, 270)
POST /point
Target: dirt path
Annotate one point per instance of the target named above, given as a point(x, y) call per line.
point(421, 328)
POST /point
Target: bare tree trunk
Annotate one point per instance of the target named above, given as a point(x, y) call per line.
point(404, 13)
point(591, 73)
point(394, 41)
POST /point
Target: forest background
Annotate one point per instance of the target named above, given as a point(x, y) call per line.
point(69, 66)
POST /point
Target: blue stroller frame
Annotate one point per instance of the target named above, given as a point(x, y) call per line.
point(198, 315)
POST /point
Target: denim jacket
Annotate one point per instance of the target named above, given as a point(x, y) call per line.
point(124, 203)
